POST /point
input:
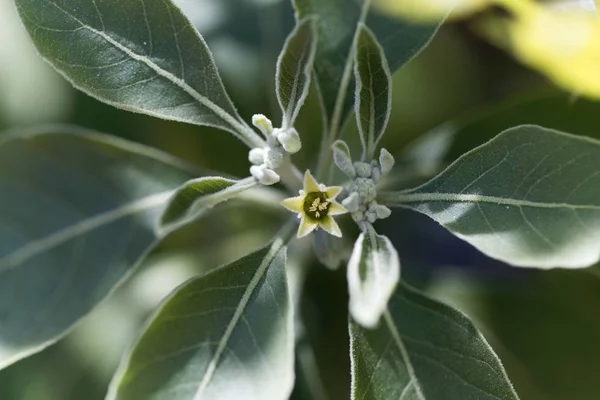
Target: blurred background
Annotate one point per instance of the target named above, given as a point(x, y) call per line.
point(457, 94)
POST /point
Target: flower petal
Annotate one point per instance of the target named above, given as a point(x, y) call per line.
point(333, 191)
point(330, 226)
point(336, 208)
point(306, 227)
point(310, 184)
point(294, 204)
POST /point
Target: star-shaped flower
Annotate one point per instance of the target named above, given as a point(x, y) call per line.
point(316, 206)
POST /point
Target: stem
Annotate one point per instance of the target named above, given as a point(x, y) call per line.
point(290, 175)
point(325, 157)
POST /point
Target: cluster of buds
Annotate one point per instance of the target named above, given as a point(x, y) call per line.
point(266, 160)
point(361, 202)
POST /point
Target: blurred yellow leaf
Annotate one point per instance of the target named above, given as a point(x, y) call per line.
point(431, 10)
point(563, 44)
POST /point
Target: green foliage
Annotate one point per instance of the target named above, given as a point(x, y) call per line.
point(80, 210)
point(424, 350)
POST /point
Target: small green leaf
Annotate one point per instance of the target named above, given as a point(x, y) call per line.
point(373, 98)
point(343, 158)
point(198, 195)
point(424, 350)
point(373, 273)
point(224, 335)
point(337, 25)
point(294, 70)
point(142, 56)
point(528, 197)
point(77, 212)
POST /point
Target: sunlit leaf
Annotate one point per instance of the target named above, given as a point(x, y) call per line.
point(77, 212)
point(224, 335)
point(197, 196)
point(373, 98)
point(142, 56)
point(373, 273)
point(424, 350)
point(294, 70)
point(529, 197)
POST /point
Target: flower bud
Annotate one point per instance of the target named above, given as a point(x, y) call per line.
point(386, 160)
point(382, 211)
point(273, 158)
point(363, 170)
point(289, 139)
point(263, 124)
point(256, 156)
point(264, 175)
point(351, 202)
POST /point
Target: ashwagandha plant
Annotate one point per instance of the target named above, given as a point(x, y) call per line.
point(528, 197)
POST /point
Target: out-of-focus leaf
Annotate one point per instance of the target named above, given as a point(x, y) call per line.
point(225, 335)
point(430, 10)
point(294, 70)
point(373, 273)
point(337, 24)
point(77, 211)
point(425, 350)
point(373, 98)
point(529, 197)
point(142, 56)
point(197, 196)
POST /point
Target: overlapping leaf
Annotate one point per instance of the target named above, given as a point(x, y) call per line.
point(142, 56)
point(225, 335)
point(77, 211)
point(529, 197)
point(424, 350)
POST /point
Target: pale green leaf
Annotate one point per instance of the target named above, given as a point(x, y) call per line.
point(373, 273)
point(142, 56)
point(294, 70)
point(529, 197)
point(424, 350)
point(373, 97)
point(77, 212)
point(337, 24)
point(197, 196)
point(224, 335)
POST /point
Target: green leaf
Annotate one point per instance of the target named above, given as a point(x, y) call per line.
point(294, 70)
point(373, 98)
point(528, 197)
point(225, 335)
point(424, 350)
point(77, 212)
point(337, 24)
point(373, 273)
point(142, 56)
point(197, 196)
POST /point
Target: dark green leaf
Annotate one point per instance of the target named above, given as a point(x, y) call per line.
point(77, 212)
point(294, 70)
point(425, 350)
point(373, 97)
point(373, 273)
point(142, 56)
point(337, 24)
point(198, 195)
point(225, 335)
point(529, 197)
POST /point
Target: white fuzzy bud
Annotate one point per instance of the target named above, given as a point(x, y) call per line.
point(273, 158)
point(351, 202)
point(382, 211)
point(342, 158)
point(386, 160)
point(371, 216)
point(363, 170)
point(263, 124)
point(289, 139)
point(264, 175)
point(358, 216)
point(256, 156)
point(376, 174)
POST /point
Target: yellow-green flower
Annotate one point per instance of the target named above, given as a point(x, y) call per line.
point(316, 207)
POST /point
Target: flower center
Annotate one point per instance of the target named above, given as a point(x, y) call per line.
point(316, 205)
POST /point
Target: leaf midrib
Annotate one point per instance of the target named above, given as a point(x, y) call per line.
point(399, 199)
point(243, 132)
